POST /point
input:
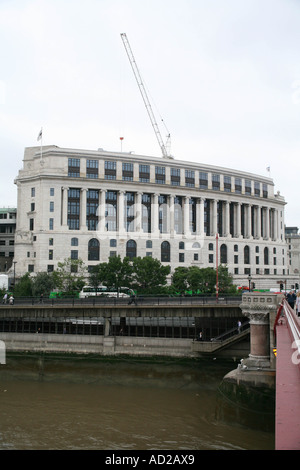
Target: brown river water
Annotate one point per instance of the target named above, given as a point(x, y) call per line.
point(83, 403)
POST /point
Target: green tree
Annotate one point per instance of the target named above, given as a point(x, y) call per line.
point(225, 281)
point(115, 273)
point(70, 275)
point(23, 287)
point(179, 279)
point(149, 274)
point(43, 283)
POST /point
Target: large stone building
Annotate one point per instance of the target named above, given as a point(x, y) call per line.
point(7, 237)
point(293, 243)
point(95, 204)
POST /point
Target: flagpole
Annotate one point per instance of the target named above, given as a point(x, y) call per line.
point(40, 137)
point(41, 143)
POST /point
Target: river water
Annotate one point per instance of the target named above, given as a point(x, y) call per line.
point(84, 403)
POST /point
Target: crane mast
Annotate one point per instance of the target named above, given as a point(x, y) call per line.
point(144, 95)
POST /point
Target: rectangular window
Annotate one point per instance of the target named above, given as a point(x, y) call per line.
point(31, 224)
point(73, 208)
point(247, 187)
point(190, 178)
point(51, 191)
point(175, 176)
point(110, 170)
point(50, 254)
point(51, 223)
point(32, 192)
point(144, 173)
point(51, 206)
point(50, 241)
point(31, 268)
point(160, 175)
point(181, 257)
point(265, 190)
point(256, 188)
point(216, 182)
point(92, 204)
point(92, 169)
point(74, 167)
point(74, 254)
point(227, 184)
point(127, 171)
point(203, 180)
point(238, 185)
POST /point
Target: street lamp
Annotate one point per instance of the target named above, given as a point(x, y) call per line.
point(14, 262)
point(249, 280)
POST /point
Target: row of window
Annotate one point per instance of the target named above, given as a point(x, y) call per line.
point(5, 215)
point(131, 252)
point(110, 173)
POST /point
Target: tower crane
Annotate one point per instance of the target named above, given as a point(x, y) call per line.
point(144, 96)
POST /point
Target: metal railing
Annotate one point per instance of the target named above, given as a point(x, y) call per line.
point(293, 325)
point(233, 332)
point(140, 301)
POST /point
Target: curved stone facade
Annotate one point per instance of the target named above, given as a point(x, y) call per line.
point(96, 204)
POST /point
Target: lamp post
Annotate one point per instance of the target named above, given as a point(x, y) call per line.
point(14, 262)
point(249, 280)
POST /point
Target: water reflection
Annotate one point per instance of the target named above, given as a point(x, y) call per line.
point(82, 403)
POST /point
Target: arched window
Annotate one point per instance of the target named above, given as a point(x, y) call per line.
point(266, 255)
point(196, 245)
point(246, 255)
point(131, 249)
point(165, 252)
point(94, 250)
point(223, 254)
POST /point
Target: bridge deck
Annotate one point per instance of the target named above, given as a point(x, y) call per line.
point(287, 418)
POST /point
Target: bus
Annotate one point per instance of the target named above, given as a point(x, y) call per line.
point(104, 291)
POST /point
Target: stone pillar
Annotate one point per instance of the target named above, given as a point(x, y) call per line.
point(101, 209)
point(64, 209)
point(121, 223)
point(138, 212)
point(261, 309)
point(83, 225)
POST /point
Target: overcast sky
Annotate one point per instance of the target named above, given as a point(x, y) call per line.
point(223, 77)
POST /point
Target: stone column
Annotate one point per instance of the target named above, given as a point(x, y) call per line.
point(261, 309)
point(258, 222)
point(154, 214)
point(249, 231)
point(227, 219)
point(121, 224)
point(101, 210)
point(172, 215)
point(186, 216)
point(138, 212)
point(201, 217)
point(64, 209)
point(83, 225)
point(238, 220)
